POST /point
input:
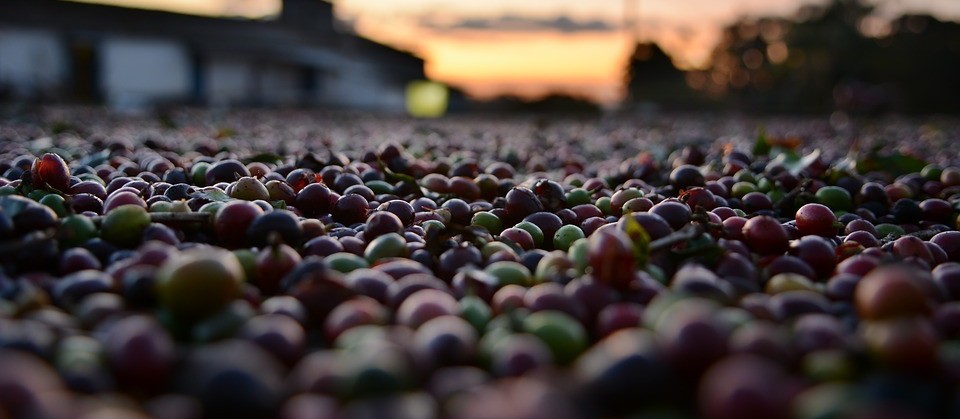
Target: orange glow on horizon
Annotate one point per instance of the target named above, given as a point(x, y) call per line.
point(531, 65)
point(242, 8)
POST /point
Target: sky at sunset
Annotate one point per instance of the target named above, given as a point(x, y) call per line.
point(533, 47)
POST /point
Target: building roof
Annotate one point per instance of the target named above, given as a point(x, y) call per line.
point(260, 39)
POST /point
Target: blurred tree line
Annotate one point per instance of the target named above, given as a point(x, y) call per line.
point(551, 103)
point(839, 56)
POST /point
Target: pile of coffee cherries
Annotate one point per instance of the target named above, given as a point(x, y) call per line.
point(279, 269)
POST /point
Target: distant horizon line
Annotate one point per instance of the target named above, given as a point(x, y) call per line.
point(607, 89)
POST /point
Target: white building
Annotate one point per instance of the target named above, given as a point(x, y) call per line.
point(62, 50)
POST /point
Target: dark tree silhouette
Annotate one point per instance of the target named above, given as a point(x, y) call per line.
point(920, 64)
point(819, 61)
point(651, 77)
point(776, 64)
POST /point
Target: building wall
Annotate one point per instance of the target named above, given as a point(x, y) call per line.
point(235, 81)
point(228, 81)
point(322, 77)
point(363, 85)
point(32, 62)
point(279, 84)
point(140, 71)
